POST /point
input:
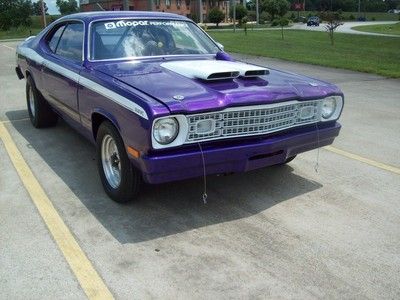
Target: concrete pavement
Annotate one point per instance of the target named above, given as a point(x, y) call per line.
point(347, 27)
point(281, 232)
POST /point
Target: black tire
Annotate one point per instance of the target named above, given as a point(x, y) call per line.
point(39, 110)
point(130, 177)
point(288, 160)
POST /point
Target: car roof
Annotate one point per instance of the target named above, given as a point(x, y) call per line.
point(92, 16)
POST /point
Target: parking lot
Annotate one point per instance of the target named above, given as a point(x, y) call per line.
point(293, 231)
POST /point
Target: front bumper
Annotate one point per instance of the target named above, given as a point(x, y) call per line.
point(246, 156)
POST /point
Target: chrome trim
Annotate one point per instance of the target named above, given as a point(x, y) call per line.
point(338, 110)
point(31, 99)
point(130, 58)
point(91, 85)
point(179, 139)
point(66, 21)
point(184, 125)
point(275, 117)
point(111, 161)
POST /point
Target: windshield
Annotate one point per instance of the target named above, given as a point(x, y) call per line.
point(135, 38)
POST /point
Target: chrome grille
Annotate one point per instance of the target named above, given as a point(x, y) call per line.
point(253, 120)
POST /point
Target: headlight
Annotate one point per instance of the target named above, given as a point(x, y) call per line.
point(165, 130)
point(328, 107)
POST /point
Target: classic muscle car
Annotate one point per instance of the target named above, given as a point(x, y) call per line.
point(162, 101)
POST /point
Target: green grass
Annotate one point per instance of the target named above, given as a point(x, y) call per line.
point(37, 20)
point(20, 32)
point(371, 54)
point(23, 32)
point(371, 16)
point(387, 28)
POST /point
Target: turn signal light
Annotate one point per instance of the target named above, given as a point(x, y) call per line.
point(133, 152)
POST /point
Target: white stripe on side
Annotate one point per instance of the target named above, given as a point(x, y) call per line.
point(113, 96)
point(128, 104)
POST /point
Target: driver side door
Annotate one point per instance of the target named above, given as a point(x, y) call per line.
point(60, 71)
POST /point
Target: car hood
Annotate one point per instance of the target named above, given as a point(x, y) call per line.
point(185, 92)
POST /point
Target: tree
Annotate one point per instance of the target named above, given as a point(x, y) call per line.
point(333, 22)
point(241, 12)
point(275, 7)
point(14, 13)
point(216, 16)
point(376, 6)
point(67, 6)
point(251, 5)
point(245, 20)
point(283, 22)
point(37, 8)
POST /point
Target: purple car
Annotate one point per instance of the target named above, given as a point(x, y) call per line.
point(163, 102)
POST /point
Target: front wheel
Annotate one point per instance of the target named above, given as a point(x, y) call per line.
point(120, 179)
point(288, 160)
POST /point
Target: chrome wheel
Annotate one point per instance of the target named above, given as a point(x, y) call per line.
point(111, 162)
point(31, 102)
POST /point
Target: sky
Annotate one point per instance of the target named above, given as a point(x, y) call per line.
point(51, 4)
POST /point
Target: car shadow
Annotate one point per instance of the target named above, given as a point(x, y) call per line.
point(164, 209)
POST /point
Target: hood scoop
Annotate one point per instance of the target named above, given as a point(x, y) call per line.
point(210, 70)
point(247, 70)
point(222, 75)
point(255, 73)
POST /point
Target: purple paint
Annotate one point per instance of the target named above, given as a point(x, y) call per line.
point(159, 92)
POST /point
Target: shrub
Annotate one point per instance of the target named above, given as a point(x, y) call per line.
point(275, 7)
point(283, 22)
point(352, 17)
point(194, 17)
point(264, 17)
point(216, 16)
point(251, 15)
point(241, 12)
point(275, 22)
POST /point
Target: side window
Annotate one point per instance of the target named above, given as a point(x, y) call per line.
point(53, 40)
point(71, 42)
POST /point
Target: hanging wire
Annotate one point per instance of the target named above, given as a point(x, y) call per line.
point(204, 175)
point(316, 166)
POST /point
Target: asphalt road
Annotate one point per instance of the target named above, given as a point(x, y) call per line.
point(281, 232)
point(347, 27)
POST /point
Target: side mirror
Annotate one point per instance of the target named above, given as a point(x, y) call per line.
point(220, 46)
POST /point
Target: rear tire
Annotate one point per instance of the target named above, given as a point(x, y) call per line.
point(40, 112)
point(120, 179)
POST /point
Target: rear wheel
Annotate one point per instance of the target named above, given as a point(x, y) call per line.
point(120, 179)
point(40, 112)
